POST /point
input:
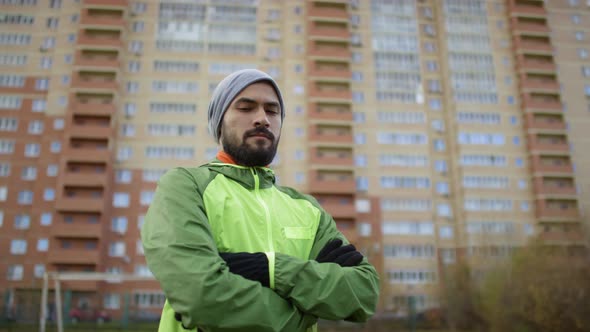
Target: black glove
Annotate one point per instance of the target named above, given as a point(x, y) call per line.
point(335, 252)
point(253, 266)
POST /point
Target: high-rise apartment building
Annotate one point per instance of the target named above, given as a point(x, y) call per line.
point(432, 130)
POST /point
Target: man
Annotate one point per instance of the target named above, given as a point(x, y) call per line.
point(233, 251)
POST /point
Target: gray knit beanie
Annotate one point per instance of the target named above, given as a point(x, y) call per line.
point(227, 90)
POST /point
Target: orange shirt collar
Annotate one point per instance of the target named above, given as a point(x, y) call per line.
point(225, 158)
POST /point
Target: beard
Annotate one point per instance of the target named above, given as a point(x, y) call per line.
point(246, 154)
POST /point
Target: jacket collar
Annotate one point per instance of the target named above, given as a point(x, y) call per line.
point(225, 165)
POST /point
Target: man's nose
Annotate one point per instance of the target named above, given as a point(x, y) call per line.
point(261, 118)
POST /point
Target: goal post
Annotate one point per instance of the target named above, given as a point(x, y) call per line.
point(58, 277)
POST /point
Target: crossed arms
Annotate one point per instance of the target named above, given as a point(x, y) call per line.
point(181, 252)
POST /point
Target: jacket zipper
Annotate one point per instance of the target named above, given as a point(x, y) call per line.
point(270, 246)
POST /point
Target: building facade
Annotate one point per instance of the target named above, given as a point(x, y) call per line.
point(432, 131)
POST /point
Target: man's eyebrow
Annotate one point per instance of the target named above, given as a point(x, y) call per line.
point(246, 100)
point(252, 101)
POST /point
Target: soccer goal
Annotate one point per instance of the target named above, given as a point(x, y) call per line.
point(109, 280)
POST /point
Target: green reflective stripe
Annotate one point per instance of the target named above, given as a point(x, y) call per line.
point(271, 268)
point(271, 246)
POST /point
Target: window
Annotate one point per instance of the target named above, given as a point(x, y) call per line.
point(124, 153)
point(49, 194)
point(39, 270)
point(6, 146)
point(43, 244)
point(45, 62)
point(579, 35)
point(146, 197)
point(117, 249)
point(3, 193)
point(424, 228)
point(46, 219)
point(575, 18)
point(32, 150)
point(15, 272)
point(362, 183)
point(445, 232)
point(42, 84)
point(132, 87)
point(55, 147)
point(112, 301)
point(29, 173)
point(119, 225)
point(127, 130)
point(441, 166)
point(120, 199)
point(439, 145)
point(4, 169)
point(58, 124)
point(25, 197)
point(22, 221)
point(442, 188)
point(582, 53)
point(139, 248)
point(18, 247)
point(137, 26)
point(123, 176)
point(35, 127)
point(52, 170)
point(444, 210)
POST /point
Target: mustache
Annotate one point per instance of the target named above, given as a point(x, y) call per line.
point(260, 131)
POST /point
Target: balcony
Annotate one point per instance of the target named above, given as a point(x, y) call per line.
point(539, 27)
point(561, 238)
point(93, 108)
point(557, 166)
point(85, 180)
point(536, 64)
point(543, 104)
point(331, 185)
point(91, 131)
point(334, 13)
point(92, 155)
point(88, 18)
point(73, 204)
point(553, 189)
point(78, 231)
point(106, 3)
point(328, 32)
point(337, 210)
point(324, 69)
point(544, 122)
point(316, 134)
point(336, 115)
point(334, 157)
point(566, 212)
point(330, 93)
point(94, 83)
point(527, 10)
point(339, 51)
point(65, 256)
point(100, 41)
point(549, 85)
point(530, 45)
point(97, 60)
point(557, 144)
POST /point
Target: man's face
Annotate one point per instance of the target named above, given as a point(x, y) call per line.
point(251, 126)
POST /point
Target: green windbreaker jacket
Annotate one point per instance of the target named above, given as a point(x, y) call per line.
point(198, 212)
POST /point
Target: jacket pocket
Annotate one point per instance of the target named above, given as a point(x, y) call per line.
point(301, 233)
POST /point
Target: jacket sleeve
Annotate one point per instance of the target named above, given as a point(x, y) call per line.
point(181, 253)
point(328, 290)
